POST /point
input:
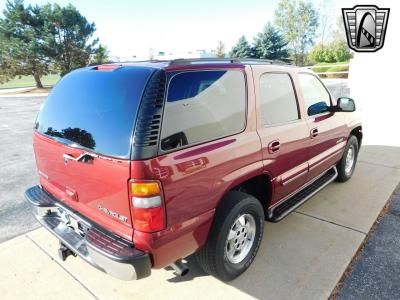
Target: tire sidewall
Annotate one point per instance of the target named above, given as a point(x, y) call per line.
point(249, 206)
point(351, 142)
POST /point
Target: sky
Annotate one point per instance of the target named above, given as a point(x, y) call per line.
point(133, 27)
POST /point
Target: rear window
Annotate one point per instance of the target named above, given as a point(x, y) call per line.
point(95, 109)
point(202, 106)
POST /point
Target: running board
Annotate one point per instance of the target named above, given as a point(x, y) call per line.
point(289, 205)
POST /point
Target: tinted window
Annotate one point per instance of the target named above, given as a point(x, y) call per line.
point(203, 105)
point(95, 109)
point(313, 91)
point(278, 100)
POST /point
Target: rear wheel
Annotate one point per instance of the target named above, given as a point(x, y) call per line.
point(347, 164)
point(234, 238)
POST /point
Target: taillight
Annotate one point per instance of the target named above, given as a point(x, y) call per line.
point(147, 205)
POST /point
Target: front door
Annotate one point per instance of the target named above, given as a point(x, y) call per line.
point(283, 133)
point(327, 130)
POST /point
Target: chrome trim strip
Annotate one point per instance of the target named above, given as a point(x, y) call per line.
point(325, 159)
point(271, 209)
point(308, 197)
point(294, 177)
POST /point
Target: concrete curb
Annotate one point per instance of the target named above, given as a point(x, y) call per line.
point(24, 95)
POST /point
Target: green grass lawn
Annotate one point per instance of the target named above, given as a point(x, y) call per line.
point(27, 81)
point(330, 67)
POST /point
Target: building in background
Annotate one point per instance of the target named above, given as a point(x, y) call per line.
point(202, 53)
point(166, 55)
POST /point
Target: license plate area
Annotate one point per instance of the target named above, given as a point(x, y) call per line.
point(72, 222)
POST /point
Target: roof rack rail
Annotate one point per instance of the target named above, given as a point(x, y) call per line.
point(184, 61)
point(128, 62)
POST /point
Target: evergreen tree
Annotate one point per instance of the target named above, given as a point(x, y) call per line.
point(71, 45)
point(270, 44)
point(220, 51)
point(101, 55)
point(242, 49)
point(35, 40)
point(23, 42)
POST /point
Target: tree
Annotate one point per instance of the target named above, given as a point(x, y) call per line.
point(298, 21)
point(335, 51)
point(71, 43)
point(7, 65)
point(317, 53)
point(101, 55)
point(270, 44)
point(329, 54)
point(23, 39)
point(339, 33)
point(242, 49)
point(35, 40)
point(220, 51)
point(341, 50)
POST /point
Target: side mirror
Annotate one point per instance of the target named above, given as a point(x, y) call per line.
point(317, 108)
point(346, 104)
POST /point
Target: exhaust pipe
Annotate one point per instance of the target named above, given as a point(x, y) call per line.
point(179, 268)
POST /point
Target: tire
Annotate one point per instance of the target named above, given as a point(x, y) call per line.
point(214, 257)
point(344, 171)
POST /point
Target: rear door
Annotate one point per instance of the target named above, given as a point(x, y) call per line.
point(326, 129)
point(90, 115)
point(282, 130)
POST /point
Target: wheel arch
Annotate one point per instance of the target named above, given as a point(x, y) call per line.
point(258, 185)
point(357, 132)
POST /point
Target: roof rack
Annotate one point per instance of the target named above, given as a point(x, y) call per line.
point(211, 60)
point(185, 61)
point(128, 62)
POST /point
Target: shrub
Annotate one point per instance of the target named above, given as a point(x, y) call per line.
point(335, 51)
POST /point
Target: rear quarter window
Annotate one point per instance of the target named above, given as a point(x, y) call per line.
point(202, 106)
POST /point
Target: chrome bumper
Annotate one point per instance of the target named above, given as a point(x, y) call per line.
point(100, 248)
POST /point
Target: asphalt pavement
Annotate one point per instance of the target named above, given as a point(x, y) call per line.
point(17, 167)
point(375, 274)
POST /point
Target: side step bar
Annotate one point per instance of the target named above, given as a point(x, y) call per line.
point(289, 205)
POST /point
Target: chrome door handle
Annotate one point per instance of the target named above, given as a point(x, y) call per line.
point(274, 146)
point(314, 132)
point(84, 157)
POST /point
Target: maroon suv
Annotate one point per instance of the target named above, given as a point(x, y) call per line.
point(143, 164)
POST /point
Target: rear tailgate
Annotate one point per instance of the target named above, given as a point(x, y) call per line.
point(91, 111)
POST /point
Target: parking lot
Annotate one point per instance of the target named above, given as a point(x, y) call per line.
point(17, 167)
point(302, 257)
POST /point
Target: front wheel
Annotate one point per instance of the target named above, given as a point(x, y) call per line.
point(234, 238)
point(347, 164)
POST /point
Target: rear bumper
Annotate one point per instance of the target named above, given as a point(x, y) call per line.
point(100, 248)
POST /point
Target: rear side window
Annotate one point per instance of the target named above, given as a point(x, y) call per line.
point(201, 106)
point(95, 109)
point(313, 90)
point(278, 99)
